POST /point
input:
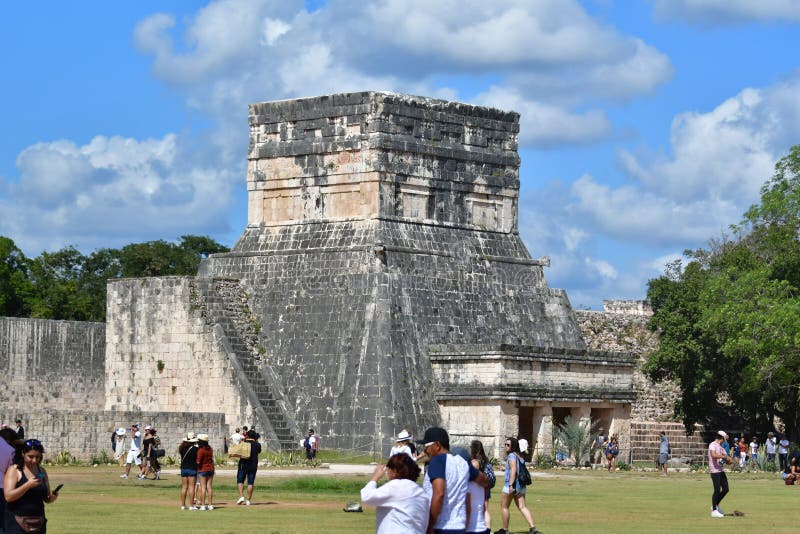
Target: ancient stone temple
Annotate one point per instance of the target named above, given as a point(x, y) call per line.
point(380, 284)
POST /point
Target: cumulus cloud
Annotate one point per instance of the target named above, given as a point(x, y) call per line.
point(109, 189)
point(552, 57)
point(710, 13)
point(717, 162)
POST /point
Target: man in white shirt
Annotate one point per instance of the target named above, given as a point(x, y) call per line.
point(783, 452)
point(772, 445)
point(135, 450)
point(446, 482)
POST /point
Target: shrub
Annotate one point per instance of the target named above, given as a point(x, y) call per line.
point(577, 437)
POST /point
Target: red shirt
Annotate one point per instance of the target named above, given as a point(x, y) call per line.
point(205, 459)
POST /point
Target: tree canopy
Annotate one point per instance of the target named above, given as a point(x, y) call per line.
point(66, 284)
point(730, 315)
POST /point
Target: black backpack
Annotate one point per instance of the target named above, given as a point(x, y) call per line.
point(488, 470)
point(523, 475)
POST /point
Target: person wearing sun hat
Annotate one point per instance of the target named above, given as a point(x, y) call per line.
point(188, 453)
point(716, 453)
point(119, 448)
point(135, 449)
point(402, 445)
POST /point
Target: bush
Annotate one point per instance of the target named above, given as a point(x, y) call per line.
point(576, 436)
point(544, 461)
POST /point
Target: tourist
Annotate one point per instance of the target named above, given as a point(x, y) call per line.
point(134, 451)
point(311, 444)
point(478, 454)
point(771, 445)
point(513, 489)
point(20, 430)
point(7, 439)
point(247, 468)
point(402, 444)
point(401, 505)
point(150, 444)
point(742, 453)
point(783, 451)
point(119, 445)
point(718, 478)
point(612, 451)
point(600, 447)
point(445, 482)
point(727, 446)
point(791, 474)
point(664, 451)
point(26, 488)
point(754, 452)
point(188, 454)
point(205, 472)
point(476, 498)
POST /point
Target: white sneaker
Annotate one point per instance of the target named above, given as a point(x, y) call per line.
point(193, 508)
point(240, 501)
point(247, 503)
point(183, 508)
point(123, 476)
point(209, 507)
point(203, 508)
point(716, 513)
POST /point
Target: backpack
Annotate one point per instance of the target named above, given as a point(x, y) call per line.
point(488, 470)
point(523, 475)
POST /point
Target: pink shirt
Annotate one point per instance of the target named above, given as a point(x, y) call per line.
point(713, 463)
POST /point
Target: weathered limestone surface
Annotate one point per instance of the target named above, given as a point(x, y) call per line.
point(622, 327)
point(51, 365)
point(380, 225)
point(162, 356)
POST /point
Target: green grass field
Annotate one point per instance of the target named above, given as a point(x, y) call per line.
point(95, 499)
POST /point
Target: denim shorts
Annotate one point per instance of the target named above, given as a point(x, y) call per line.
point(188, 472)
point(243, 473)
point(205, 473)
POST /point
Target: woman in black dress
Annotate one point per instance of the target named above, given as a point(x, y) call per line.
point(26, 488)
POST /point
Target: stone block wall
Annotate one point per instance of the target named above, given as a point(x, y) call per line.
point(387, 155)
point(162, 356)
point(623, 327)
point(84, 433)
point(51, 365)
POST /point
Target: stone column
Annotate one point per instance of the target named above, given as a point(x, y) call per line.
point(543, 430)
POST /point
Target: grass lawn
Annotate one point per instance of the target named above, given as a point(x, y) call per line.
point(95, 499)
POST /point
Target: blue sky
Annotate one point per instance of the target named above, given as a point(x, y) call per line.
point(647, 127)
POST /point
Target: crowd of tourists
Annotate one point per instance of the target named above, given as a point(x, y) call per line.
point(456, 487)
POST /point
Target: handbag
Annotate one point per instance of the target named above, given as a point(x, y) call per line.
point(239, 450)
point(158, 453)
point(523, 475)
point(30, 523)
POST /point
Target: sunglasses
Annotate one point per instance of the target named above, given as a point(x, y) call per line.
point(33, 443)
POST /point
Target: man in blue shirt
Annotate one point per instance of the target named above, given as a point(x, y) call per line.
point(446, 481)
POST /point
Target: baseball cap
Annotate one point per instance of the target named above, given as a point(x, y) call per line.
point(436, 434)
point(723, 434)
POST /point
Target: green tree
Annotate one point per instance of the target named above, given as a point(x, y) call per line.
point(15, 287)
point(577, 437)
point(730, 318)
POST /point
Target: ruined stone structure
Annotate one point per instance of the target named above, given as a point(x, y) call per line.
point(622, 327)
point(380, 284)
point(54, 378)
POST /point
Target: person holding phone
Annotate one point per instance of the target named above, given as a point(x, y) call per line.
point(26, 489)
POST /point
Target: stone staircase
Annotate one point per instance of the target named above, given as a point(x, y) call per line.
point(645, 441)
point(225, 303)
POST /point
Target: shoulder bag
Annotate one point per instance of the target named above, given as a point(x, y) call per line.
point(30, 523)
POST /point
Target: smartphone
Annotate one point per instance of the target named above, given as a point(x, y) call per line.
point(58, 488)
point(39, 475)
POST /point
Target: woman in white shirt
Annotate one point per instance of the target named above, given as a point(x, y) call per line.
point(401, 504)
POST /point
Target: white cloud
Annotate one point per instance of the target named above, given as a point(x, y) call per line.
point(725, 155)
point(544, 125)
point(710, 13)
point(553, 58)
point(110, 189)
